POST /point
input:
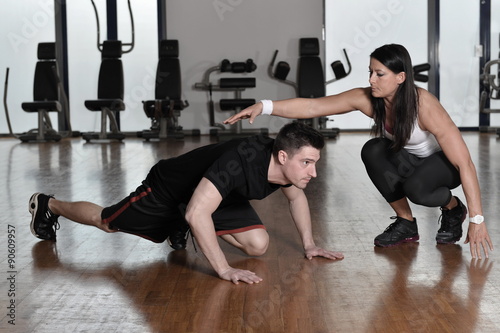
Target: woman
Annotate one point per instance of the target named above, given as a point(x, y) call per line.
point(418, 153)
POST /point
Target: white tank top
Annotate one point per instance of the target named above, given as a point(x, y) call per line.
point(421, 143)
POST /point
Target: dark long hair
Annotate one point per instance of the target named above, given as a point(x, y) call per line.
point(405, 104)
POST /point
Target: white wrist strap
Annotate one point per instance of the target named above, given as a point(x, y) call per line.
point(267, 106)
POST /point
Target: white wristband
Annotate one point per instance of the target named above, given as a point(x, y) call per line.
point(267, 106)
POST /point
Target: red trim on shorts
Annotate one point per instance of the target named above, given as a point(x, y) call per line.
point(132, 199)
point(235, 231)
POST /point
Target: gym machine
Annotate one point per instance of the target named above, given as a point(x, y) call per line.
point(310, 78)
point(166, 108)
point(110, 89)
point(48, 93)
point(491, 89)
point(236, 85)
point(417, 72)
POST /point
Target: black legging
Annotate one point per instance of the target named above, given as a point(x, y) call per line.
point(424, 181)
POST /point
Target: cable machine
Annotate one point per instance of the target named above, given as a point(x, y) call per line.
point(111, 82)
point(491, 88)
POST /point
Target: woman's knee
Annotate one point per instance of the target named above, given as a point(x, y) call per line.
point(419, 194)
point(374, 149)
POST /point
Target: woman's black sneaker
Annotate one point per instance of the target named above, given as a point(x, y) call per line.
point(400, 231)
point(43, 222)
point(451, 224)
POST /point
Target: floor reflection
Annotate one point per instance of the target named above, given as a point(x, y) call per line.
point(448, 301)
point(160, 296)
point(181, 294)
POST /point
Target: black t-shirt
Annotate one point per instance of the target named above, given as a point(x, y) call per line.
point(238, 169)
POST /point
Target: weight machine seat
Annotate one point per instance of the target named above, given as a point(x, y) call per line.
point(311, 81)
point(36, 106)
point(45, 93)
point(110, 91)
point(108, 103)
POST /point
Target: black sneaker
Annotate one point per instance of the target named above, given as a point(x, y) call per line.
point(400, 231)
point(178, 237)
point(451, 224)
point(43, 222)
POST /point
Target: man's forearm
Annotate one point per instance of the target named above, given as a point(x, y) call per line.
point(301, 216)
point(207, 240)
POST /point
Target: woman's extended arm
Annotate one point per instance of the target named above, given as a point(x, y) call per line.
point(304, 108)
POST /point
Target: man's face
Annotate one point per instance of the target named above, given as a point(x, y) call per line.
point(301, 167)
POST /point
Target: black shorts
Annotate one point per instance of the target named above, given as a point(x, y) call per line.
point(142, 214)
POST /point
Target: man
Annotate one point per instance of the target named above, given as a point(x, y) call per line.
point(209, 188)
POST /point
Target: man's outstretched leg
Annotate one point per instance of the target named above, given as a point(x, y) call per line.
point(45, 210)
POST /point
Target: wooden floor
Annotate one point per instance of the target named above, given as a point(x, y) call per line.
point(90, 281)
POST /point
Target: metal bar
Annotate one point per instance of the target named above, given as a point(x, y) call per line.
point(162, 20)
point(112, 20)
point(433, 35)
point(112, 27)
point(485, 41)
point(61, 28)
